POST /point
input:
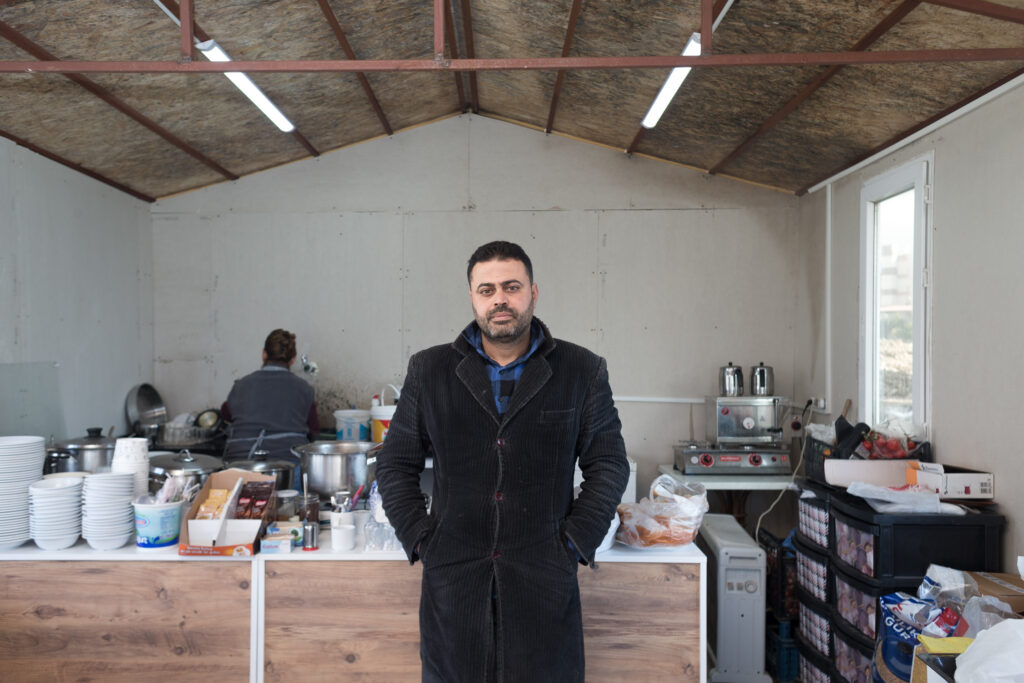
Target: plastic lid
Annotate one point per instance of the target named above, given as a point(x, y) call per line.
point(287, 493)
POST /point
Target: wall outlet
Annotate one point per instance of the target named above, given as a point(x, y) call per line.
point(819, 403)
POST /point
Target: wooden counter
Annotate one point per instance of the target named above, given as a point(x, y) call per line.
point(131, 615)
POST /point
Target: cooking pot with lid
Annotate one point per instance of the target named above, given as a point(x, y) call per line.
point(281, 470)
point(194, 467)
point(333, 466)
point(89, 453)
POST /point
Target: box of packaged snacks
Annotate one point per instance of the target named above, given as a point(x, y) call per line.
point(229, 515)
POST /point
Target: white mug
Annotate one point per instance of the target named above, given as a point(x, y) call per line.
point(343, 536)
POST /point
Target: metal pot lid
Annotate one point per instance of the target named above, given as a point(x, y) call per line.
point(337, 447)
point(95, 441)
point(183, 463)
point(258, 464)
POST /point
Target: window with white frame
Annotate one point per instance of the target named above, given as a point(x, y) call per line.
point(894, 320)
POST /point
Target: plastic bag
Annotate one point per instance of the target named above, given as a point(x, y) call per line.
point(671, 516)
point(985, 611)
point(947, 587)
point(996, 656)
point(902, 499)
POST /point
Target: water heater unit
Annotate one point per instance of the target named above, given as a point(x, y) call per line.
point(736, 601)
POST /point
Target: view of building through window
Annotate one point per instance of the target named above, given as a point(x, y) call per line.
point(894, 291)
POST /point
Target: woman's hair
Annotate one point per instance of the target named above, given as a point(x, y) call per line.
point(280, 346)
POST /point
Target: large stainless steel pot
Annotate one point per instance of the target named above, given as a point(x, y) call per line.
point(281, 470)
point(88, 453)
point(144, 409)
point(194, 467)
point(333, 466)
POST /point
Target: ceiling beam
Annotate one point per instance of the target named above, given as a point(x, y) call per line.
point(449, 30)
point(992, 54)
point(570, 31)
point(467, 31)
point(869, 38)
point(339, 34)
point(40, 53)
point(986, 9)
point(185, 15)
point(913, 129)
point(707, 21)
point(439, 31)
point(75, 167)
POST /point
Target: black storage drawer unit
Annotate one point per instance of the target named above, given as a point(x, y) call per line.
point(815, 624)
point(812, 517)
point(814, 668)
point(813, 574)
point(854, 655)
point(855, 602)
point(899, 547)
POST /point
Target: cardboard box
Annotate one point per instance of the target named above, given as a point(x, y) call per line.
point(952, 482)
point(213, 537)
point(1007, 587)
point(840, 472)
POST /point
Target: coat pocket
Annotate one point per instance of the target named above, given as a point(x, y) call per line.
point(555, 416)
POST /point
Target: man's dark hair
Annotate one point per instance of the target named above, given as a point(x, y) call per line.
point(499, 251)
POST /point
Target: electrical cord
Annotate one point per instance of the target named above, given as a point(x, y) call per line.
point(792, 479)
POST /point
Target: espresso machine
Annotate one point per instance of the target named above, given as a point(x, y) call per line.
point(743, 433)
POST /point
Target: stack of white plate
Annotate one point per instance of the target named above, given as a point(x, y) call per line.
point(55, 512)
point(131, 455)
point(21, 463)
point(108, 519)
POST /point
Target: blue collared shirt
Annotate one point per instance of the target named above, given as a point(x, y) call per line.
point(503, 378)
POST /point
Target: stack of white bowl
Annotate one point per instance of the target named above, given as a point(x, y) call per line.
point(131, 455)
point(55, 512)
point(21, 463)
point(108, 519)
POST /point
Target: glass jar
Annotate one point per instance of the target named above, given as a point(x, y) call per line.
point(287, 500)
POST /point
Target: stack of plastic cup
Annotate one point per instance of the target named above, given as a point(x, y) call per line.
point(131, 455)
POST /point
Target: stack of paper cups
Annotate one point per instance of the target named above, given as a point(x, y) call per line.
point(131, 455)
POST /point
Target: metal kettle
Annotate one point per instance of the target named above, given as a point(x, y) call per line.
point(730, 380)
point(762, 380)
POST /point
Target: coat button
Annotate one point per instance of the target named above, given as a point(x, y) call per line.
point(497, 495)
point(501, 442)
point(495, 554)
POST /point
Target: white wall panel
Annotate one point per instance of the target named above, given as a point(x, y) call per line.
point(77, 289)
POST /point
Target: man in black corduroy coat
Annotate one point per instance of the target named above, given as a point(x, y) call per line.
point(506, 412)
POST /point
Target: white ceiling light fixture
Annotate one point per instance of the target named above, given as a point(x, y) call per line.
point(212, 51)
point(215, 53)
point(671, 85)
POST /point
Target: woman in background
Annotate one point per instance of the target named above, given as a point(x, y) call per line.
point(271, 409)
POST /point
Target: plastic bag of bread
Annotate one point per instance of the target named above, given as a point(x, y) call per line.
point(671, 516)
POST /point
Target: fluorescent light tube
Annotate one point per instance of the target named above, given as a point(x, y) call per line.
point(214, 53)
point(672, 84)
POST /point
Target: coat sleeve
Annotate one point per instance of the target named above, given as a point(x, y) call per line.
point(601, 453)
point(400, 463)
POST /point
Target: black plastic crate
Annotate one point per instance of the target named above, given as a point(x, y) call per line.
point(817, 452)
point(813, 571)
point(815, 624)
point(855, 602)
point(780, 562)
point(814, 668)
point(780, 654)
point(853, 657)
point(899, 547)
